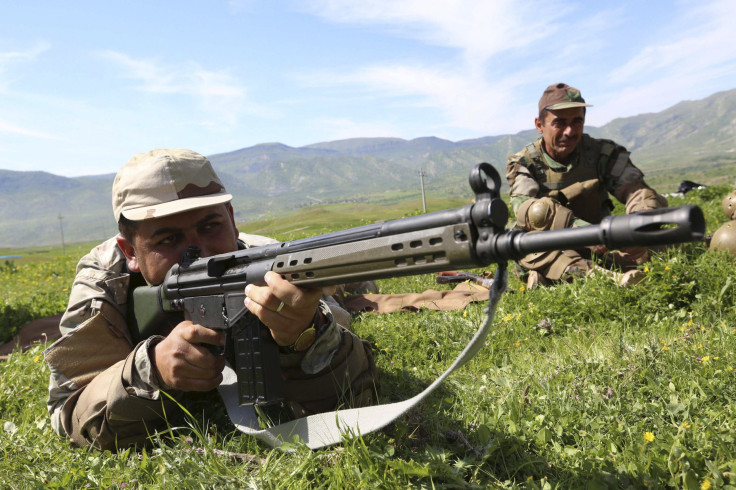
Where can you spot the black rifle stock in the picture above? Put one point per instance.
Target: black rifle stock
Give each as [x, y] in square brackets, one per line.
[211, 289]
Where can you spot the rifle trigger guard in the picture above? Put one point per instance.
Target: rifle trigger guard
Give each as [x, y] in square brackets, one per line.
[230, 321]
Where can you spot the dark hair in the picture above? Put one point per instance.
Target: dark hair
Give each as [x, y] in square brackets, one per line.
[542, 117]
[128, 228]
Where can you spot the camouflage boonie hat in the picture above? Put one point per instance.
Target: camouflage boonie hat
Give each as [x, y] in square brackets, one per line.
[165, 182]
[561, 96]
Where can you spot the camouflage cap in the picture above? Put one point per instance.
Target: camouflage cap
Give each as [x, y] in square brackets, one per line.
[164, 182]
[561, 96]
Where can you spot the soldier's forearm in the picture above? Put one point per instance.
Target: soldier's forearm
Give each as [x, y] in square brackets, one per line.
[643, 198]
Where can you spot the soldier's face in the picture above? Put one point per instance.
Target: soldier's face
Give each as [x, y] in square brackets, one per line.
[561, 131]
[160, 242]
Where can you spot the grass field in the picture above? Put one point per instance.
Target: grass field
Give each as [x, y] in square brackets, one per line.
[316, 220]
[581, 385]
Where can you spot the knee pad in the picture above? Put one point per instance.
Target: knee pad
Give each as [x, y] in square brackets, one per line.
[543, 214]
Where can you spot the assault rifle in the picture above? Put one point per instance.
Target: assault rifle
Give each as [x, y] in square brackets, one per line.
[211, 289]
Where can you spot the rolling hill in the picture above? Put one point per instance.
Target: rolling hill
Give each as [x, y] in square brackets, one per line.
[693, 140]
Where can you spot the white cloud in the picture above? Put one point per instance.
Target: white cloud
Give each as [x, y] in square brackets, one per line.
[471, 92]
[703, 46]
[17, 130]
[479, 29]
[185, 79]
[508, 50]
[9, 59]
[505, 50]
[219, 95]
[695, 57]
[467, 101]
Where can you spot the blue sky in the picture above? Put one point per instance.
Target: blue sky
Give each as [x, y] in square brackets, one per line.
[84, 85]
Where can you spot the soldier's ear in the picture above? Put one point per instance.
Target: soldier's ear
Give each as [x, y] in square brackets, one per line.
[231, 212]
[538, 124]
[127, 248]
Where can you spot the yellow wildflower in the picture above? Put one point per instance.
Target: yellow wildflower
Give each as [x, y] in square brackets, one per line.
[648, 436]
[686, 425]
[705, 485]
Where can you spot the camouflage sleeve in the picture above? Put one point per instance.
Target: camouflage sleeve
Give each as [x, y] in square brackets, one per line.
[93, 327]
[626, 182]
[99, 280]
[96, 354]
[320, 354]
[522, 185]
[644, 198]
[337, 371]
[106, 400]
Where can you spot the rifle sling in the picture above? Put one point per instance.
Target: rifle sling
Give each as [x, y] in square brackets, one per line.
[324, 429]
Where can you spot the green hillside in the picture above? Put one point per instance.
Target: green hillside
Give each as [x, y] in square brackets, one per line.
[693, 140]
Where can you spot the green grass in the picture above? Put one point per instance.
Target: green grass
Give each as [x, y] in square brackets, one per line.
[582, 385]
[33, 289]
[317, 220]
[40, 254]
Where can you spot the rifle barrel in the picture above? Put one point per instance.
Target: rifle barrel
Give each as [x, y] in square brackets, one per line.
[645, 229]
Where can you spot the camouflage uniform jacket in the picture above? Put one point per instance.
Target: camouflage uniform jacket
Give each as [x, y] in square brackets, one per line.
[104, 392]
[596, 168]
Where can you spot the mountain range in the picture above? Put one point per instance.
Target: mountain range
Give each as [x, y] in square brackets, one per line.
[694, 140]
